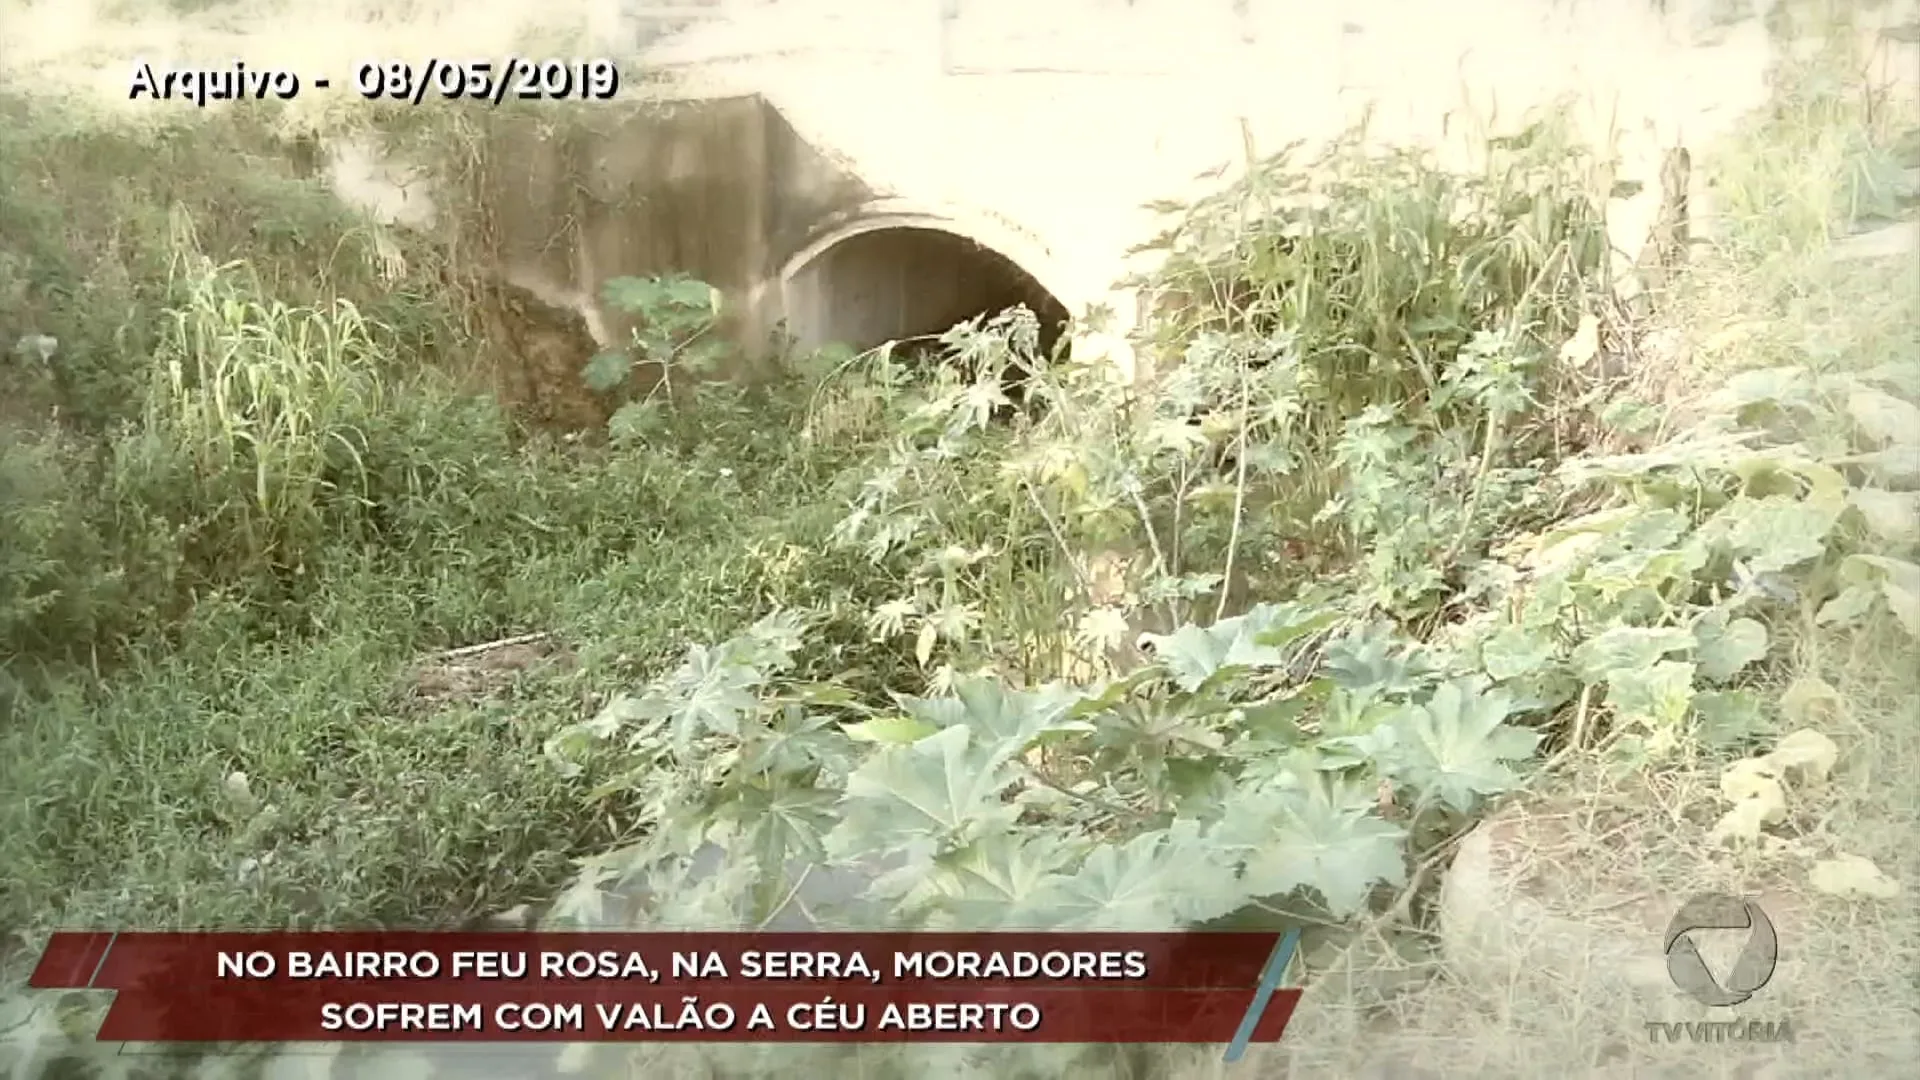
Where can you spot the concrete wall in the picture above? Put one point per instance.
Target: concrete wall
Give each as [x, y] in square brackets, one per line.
[864, 169]
[1038, 130]
[722, 190]
[1068, 117]
[801, 249]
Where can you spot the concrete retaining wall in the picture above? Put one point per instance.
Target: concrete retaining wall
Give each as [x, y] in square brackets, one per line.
[858, 171]
[801, 249]
[722, 190]
[1036, 130]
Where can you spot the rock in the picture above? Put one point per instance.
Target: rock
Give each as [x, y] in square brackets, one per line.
[1533, 895]
[1502, 917]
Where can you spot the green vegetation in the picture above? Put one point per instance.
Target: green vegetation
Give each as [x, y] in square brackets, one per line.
[231, 571]
[1378, 547]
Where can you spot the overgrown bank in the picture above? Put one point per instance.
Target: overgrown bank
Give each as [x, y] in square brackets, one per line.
[1379, 456]
[247, 490]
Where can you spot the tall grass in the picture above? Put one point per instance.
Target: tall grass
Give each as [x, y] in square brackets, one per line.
[268, 405]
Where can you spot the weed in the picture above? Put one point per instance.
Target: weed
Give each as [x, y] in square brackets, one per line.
[1251, 643]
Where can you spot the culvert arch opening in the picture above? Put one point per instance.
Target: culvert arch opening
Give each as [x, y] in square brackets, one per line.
[904, 278]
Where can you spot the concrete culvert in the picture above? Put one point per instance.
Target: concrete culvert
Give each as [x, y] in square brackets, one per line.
[864, 286]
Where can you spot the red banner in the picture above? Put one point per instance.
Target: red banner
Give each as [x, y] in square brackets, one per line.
[674, 987]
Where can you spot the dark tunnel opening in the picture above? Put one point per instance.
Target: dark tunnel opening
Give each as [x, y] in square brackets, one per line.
[903, 282]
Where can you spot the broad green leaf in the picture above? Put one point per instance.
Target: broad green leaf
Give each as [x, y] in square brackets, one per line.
[1160, 725]
[1457, 747]
[1207, 874]
[772, 641]
[661, 296]
[891, 730]
[1899, 585]
[912, 881]
[630, 294]
[1192, 655]
[583, 903]
[1000, 714]
[937, 790]
[1195, 785]
[723, 898]
[1278, 719]
[1709, 450]
[1280, 625]
[1893, 465]
[1631, 417]
[1883, 418]
[1007, 880]
[1658, 696]
[1325, 836]
[1893, 516]
[1773, 534]
[1853, 603]
[1358, 711]
[778, 825]
[1827, 487]
[1649, 529]
[1003, 718]
[1376, 660]
[1153, 882]
[794, 742]
[1867, 569]
[1903, 376]
[691, 294]
[1558, 554]
[1728, 717]
[1621, 573]
[1727, 647]
[1789, 386]
[606, 371]
[821, 695]
[1627, 649]
[710, 694]
[1515, 651]
[1339, 753]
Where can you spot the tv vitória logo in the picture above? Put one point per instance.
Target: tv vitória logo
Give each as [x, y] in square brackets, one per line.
[1750, 973]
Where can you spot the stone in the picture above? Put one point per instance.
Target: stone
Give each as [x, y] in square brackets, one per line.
[1504, 916]
[1540, 894]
